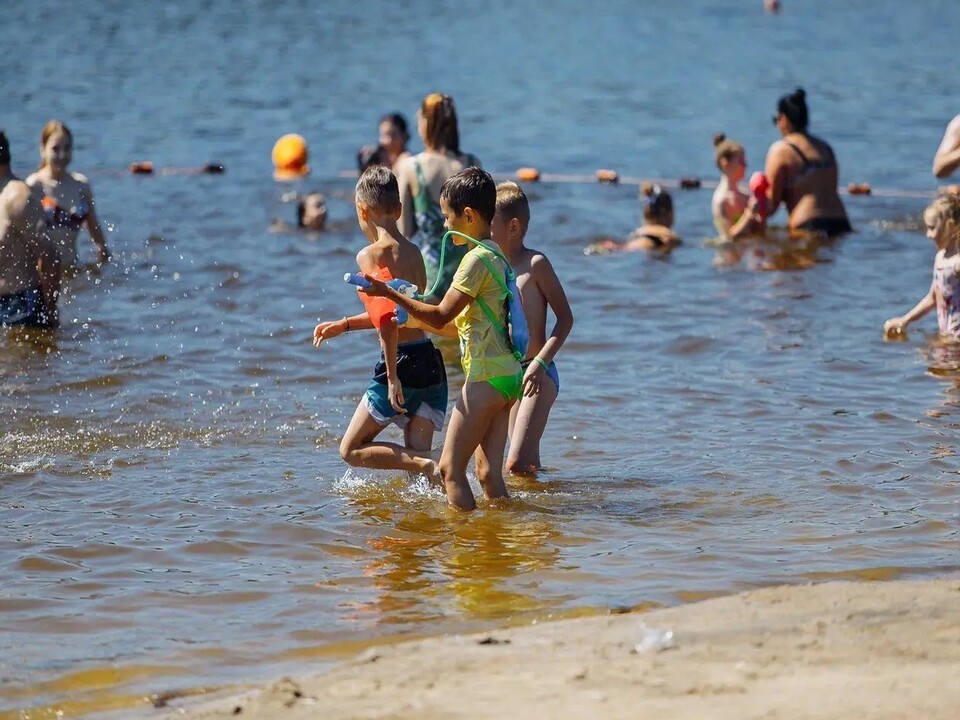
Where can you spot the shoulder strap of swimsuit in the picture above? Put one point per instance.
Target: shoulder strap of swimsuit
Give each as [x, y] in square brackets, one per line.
[799, 152]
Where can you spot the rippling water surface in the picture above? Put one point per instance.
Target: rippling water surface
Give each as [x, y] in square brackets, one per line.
[173, 510]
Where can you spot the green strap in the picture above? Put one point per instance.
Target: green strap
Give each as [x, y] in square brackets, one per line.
[507, 294]
[497, 253]
[491, 316]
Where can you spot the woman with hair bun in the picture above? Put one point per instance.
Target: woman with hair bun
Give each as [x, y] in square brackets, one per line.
[803, 173]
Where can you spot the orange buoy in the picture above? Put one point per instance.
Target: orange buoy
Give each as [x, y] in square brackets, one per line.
[144, 167]
[290, 157]
[608, 176]
[690, 183]
[858, 188]
[528, 174]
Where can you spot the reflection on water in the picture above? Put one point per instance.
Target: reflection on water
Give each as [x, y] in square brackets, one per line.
[430, 562]
[777, 250]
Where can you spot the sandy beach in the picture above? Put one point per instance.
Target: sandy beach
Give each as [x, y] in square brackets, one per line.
[836, 650]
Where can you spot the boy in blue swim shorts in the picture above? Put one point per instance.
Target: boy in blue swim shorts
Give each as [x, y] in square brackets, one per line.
[409, 385]
[541, 291]
[29, 262]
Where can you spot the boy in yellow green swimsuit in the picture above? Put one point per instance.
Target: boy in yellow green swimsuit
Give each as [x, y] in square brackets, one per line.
[493, 376]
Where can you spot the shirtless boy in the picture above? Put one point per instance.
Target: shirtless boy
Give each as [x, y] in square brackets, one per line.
[29, 263]
[540, 289]
[409, 385]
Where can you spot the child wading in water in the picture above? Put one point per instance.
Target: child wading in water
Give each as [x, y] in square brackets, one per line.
[942, 219]
[409, 385]
[493, 376]
[67, 197]
[540, 289]
[733, 213]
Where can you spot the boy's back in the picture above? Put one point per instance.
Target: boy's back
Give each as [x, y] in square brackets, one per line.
[533, 270]
[404, 261]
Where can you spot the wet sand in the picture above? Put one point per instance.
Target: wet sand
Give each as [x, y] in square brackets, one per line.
[836, 650]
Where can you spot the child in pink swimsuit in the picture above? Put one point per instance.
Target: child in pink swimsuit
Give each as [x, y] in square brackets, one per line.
[942, 219]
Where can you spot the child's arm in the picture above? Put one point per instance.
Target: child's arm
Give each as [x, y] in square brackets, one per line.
[93, 226]
[329, 329]
[388, 340]
[746, 222]
[899, 324]
[436, 316]
[549, 284]
[449, 330]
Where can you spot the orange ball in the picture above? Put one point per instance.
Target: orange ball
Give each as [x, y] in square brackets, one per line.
[608, 176]
[528, 174]
[290, 157]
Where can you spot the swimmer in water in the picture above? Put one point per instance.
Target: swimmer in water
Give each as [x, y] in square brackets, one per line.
[312, 212]
[656, 233]
[67, 196]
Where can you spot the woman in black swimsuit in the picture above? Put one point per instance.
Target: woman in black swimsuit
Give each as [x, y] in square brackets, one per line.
[803, 173]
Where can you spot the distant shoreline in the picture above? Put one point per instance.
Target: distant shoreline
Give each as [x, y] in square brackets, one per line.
[834, 650]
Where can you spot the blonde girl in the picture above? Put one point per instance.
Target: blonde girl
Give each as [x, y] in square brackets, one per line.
[730, 209]
[67, 197]
[942, 219]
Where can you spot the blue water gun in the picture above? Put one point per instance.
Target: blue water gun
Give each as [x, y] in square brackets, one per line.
[404, 287]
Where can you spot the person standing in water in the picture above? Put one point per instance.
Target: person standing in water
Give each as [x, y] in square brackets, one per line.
[732, 213]
[392, 146]
[409, 385]
[540, 290]
[29, 262]
[67, 196]
[803, 173]
[421, 178]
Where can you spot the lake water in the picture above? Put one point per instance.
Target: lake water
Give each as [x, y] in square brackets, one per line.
[173, 510]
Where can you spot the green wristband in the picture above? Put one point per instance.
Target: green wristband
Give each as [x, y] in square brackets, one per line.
[541, 362]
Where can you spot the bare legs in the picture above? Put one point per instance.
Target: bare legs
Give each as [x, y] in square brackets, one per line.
[528, 418]
[359, 449]
[478, 426]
